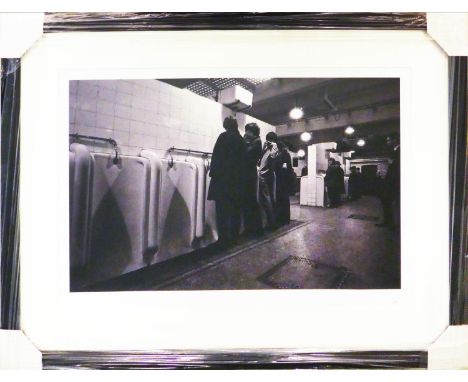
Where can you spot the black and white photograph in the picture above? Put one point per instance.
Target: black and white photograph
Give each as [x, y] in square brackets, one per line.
[234, 184]
[234, 190]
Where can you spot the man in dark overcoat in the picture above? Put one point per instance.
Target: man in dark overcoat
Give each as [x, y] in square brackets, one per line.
[227, 172]
[390, 193]
[333, 184]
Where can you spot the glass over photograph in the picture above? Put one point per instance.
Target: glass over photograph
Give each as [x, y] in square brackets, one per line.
[234, 183]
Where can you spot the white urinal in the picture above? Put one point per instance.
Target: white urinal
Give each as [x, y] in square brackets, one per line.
[154, 201]
[178, 206]
[200, 164]
[119, 231]
[211, 231]
[80, 197]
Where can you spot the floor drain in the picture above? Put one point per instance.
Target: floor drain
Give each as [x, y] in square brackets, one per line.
[364, 217]
[303, 273]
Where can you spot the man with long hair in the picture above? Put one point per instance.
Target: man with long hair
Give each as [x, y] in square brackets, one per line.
[251, 208]
[266, 175]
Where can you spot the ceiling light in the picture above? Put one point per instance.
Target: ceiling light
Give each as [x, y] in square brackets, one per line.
[301, 153]
[306, 137]
[349, 130]
[361, 142]
[296, 113]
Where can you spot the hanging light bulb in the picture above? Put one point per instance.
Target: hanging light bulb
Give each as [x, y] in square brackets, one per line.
[306, 137]
[361, 142]
[296, 113]
[349, 130]
[301, 153]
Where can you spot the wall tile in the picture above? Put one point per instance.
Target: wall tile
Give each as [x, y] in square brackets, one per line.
[122, 137]
[151, 104]
[137, 140]
[84, 130]
[124, 99]
[85, 118]
[139, 88]
[105, 107]
[87, 89]
[108, 84]
[106, 132]
[123, 111]
[121, 124]
[72, 100]
[148, 114]
[86, 103]
[71, 114]
[138, 114]
[106, 94]
[125, 86]
[137, 127]
[104, 121]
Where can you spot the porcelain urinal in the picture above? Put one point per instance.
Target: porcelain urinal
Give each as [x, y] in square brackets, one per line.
[200, 164]
[177, 210]
[119, 231]
[80, 182]
[154, 202]
[211, 230]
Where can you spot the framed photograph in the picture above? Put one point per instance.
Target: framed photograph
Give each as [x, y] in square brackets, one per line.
[239, 197]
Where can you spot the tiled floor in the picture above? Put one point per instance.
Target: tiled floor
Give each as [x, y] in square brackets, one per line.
[324, 248]
[369, 255]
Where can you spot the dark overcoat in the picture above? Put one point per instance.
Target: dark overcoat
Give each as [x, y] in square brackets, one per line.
[228, 167]
[391, 183]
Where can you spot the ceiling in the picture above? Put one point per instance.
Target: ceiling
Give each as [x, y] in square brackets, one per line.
[370, 105]
[209, 87]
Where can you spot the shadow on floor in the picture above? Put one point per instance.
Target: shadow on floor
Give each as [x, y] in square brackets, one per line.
[162, 275]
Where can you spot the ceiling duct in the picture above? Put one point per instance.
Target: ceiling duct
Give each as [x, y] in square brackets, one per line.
[236, 98]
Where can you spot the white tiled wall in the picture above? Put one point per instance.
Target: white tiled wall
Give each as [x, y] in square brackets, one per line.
[148, 114]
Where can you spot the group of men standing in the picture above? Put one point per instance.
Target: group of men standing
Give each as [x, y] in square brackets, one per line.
[249, 180]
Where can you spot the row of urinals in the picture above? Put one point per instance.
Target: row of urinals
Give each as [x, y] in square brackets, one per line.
[136, 212]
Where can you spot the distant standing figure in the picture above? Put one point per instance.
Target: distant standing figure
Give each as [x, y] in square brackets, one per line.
[266, 174]
[390, 193]
[285, 183]
[340, 174]
[333, 183]
[354, 184]
[227, 173]
[251, 208]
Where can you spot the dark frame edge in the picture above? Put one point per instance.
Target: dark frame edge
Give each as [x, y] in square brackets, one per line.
[458, 185]
[140, 21]
[203, 360]
[9, 259]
